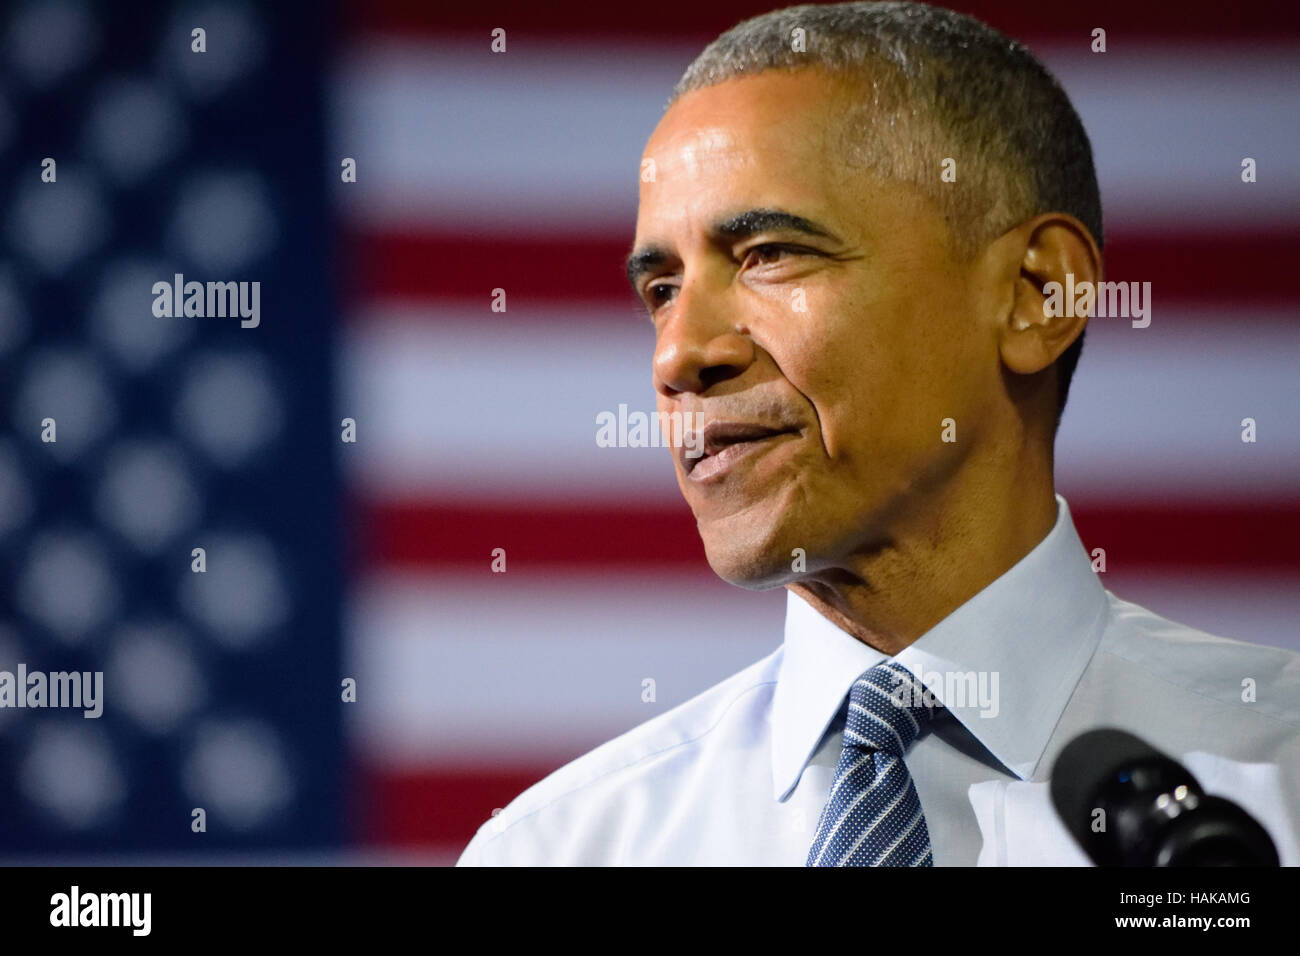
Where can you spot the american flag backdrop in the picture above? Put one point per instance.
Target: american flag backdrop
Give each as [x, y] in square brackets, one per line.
[485, 178]
[518, 171]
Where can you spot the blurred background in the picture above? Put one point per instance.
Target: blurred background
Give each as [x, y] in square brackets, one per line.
[475, 430]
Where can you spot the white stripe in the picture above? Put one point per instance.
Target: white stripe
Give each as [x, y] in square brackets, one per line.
[544, 138]
[1257, 607]
[450, 405]
[550, 136]
[523, 667]
[461, 670]
[1169, 126]
[1156, 413]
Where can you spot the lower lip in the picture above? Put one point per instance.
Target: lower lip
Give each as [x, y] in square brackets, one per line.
[716, 465]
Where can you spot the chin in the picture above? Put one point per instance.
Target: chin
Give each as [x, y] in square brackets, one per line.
[758, 565]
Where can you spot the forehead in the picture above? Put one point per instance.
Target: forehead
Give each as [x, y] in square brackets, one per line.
[775, 138]
[774, 102]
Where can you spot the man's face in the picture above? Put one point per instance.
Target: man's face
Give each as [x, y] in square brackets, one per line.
[818, 318]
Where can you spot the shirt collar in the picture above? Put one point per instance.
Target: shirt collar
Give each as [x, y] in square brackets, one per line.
[1035, 628]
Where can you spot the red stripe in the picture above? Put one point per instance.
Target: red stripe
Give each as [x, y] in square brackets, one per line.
[1243, 268]
[430, 266]
[689, 19]
[426, 535]
[437, 808]
[1203, 537]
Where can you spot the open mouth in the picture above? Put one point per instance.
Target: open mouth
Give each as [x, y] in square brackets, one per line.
[725, 442]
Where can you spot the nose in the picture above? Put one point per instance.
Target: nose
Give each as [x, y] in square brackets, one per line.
[700, 344]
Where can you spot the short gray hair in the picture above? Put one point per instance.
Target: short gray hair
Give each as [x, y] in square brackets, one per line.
[936, 84]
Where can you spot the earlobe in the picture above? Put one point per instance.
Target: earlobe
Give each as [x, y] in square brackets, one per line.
[1026, 348]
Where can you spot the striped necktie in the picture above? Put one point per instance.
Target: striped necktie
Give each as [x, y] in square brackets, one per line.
[873, 816]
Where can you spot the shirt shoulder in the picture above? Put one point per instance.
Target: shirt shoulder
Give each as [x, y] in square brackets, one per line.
[525, 831]
[1264, 679]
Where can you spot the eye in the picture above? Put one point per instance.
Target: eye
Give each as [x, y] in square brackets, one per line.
[658, 294]
[769, 253]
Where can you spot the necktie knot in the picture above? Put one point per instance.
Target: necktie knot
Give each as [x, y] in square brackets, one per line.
[889, 709]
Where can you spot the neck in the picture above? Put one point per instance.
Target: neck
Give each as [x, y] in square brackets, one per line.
[939, 554]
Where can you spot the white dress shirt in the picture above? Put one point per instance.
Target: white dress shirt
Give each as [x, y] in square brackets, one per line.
[738, 775]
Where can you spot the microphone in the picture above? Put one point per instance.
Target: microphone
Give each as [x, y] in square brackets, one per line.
[1127, 804]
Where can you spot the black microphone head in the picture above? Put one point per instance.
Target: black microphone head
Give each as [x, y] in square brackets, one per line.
[1126, 803]
[1086, 762]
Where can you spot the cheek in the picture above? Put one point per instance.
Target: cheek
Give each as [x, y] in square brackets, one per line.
[829, 360]
[879, 372]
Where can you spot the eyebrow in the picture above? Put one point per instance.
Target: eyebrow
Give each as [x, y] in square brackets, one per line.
[644, 260]
[751, 222]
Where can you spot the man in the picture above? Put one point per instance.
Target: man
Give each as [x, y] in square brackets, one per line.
[849, 222]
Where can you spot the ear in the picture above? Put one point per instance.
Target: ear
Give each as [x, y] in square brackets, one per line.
[1056, 254]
